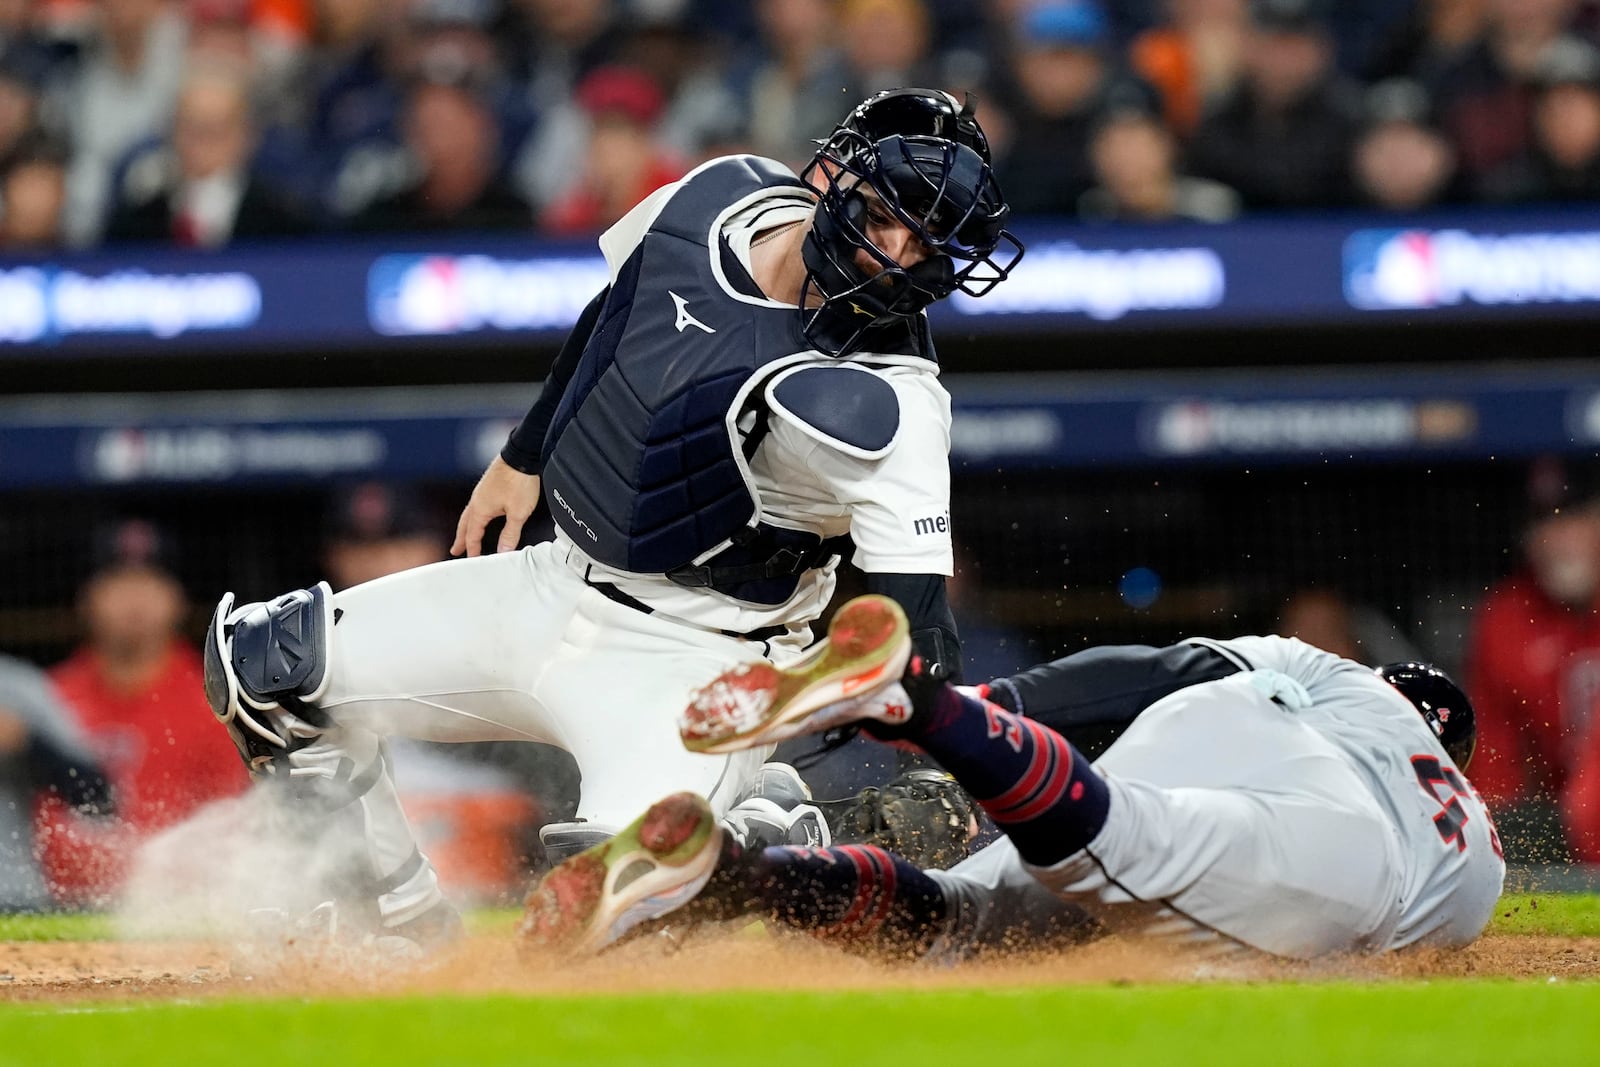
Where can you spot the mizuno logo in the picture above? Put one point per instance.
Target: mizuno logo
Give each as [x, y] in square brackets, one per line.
[684, 318]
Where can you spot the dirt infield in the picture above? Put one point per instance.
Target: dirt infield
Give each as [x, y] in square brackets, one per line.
[60, 971]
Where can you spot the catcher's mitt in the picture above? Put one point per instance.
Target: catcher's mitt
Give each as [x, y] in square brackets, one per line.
[922, 815]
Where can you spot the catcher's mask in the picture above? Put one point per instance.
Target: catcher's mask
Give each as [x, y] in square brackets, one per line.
[928, 162]
[1443, 705]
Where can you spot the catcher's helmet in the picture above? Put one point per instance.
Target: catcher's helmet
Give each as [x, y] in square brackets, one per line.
[927, 159]
[1443, 705]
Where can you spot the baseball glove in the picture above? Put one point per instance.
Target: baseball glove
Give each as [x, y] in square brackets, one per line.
[922, 815]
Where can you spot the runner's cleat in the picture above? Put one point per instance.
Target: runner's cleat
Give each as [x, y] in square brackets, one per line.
[866, 650]
[651, 868]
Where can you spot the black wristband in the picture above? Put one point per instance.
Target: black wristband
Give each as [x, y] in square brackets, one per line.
[519, 459]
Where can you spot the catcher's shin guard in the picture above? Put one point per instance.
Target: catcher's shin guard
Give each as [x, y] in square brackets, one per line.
[265, 666]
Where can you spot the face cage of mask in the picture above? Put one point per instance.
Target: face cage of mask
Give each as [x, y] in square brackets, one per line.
[850, 153]
[896, 292]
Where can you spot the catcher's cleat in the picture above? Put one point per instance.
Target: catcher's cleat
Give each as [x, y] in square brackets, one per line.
[341, 938]
[866, 650]
[436, 929]
[651, 868]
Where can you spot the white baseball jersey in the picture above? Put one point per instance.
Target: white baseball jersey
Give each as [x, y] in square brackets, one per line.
[1301, 807]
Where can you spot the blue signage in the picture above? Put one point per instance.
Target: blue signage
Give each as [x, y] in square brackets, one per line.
[332, 294]
[43, 305]
[1022, 423]
[1268, 419]
[1423, 269]
[440, 294]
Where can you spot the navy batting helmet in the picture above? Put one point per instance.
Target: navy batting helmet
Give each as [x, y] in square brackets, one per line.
[927, 159]
[1443, 705]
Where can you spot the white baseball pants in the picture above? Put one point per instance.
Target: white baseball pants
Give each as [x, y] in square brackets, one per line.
[516, 646]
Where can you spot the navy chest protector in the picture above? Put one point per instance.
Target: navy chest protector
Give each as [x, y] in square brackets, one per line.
[645, 466]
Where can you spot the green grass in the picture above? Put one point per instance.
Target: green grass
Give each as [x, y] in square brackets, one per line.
[95, 927]
[1460, 1023]
[1572, 915]
[68, 927]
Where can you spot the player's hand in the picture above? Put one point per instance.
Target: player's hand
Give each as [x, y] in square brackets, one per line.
[502, 490]
[13, 733]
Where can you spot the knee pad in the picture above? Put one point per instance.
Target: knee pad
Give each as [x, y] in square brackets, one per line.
[263, 659]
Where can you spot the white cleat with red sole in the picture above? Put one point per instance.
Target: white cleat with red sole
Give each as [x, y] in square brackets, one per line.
[865, 653]
[649, 869]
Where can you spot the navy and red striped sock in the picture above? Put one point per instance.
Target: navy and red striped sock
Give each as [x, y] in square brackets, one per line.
[1036, 787]
[857, 894]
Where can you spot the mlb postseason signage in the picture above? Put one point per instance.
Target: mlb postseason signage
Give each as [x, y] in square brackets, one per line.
[323, 294]
[1266, 418]
[435, 295]
[247, 437]
[1016, 422]
[1422, 269]
[330, 294]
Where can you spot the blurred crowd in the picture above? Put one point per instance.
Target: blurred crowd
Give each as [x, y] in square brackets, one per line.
[1530, 663]
[114, 745]
[201, 122]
